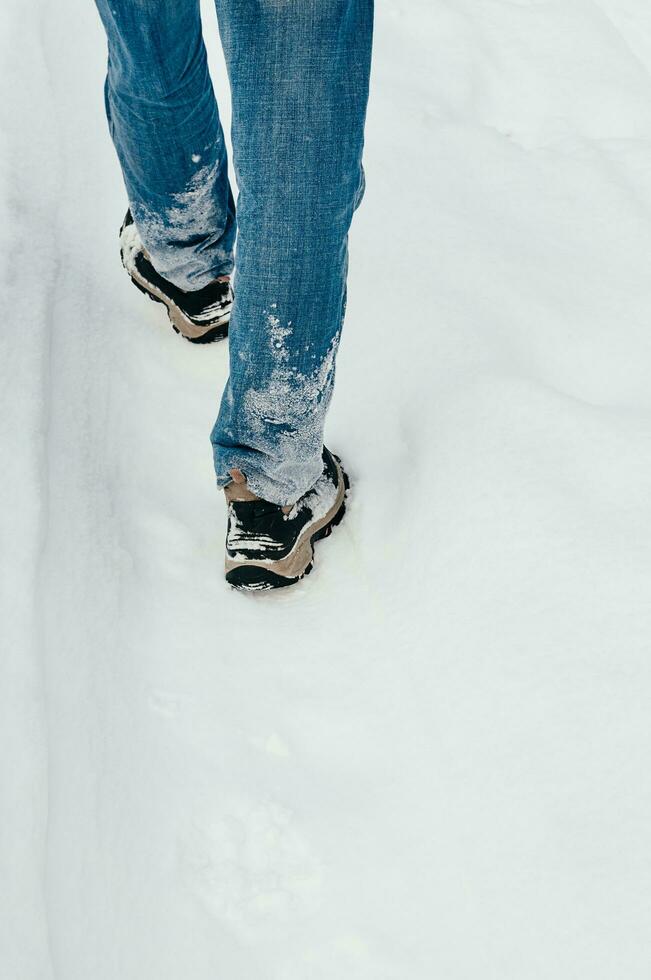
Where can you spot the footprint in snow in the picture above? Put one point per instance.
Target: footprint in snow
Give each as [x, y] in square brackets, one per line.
[251, 866]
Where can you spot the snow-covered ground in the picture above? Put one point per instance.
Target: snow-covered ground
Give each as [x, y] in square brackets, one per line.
[431, 760]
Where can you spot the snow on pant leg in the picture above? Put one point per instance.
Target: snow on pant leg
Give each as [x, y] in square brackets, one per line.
[299, 72]
[165, 125]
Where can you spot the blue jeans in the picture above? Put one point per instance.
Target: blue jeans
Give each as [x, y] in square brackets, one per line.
[299, 73]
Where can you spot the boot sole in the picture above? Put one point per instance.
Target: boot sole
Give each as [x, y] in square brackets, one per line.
[251, 576]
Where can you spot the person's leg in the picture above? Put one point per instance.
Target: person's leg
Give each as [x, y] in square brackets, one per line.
[299, 73]
[164, 122]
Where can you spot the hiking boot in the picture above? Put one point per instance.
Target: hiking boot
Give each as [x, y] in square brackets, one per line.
[201, 315]
[270, 547]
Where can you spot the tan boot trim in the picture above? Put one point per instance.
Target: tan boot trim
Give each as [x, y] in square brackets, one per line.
[238, 491]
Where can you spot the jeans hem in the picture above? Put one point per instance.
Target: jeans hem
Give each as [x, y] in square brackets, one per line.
[265, 487]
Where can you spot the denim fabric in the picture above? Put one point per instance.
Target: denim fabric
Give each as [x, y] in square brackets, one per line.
[299, 73]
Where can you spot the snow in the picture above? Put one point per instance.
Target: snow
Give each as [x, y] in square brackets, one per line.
[285, 396]
[431, 759]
